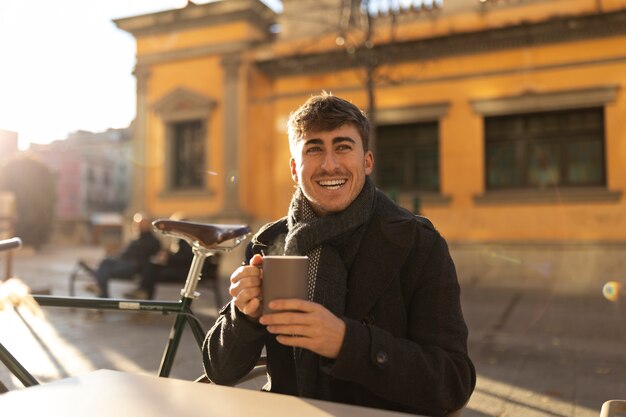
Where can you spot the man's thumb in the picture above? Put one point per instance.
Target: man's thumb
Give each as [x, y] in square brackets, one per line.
[257, 260]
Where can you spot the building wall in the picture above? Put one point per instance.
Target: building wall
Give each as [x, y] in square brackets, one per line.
[457, 65]
[196, 58]
[462, 79]
[8, 143]
[196, 74]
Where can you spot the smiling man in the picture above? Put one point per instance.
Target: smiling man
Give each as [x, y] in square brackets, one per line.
[330, 167]
[383, 325]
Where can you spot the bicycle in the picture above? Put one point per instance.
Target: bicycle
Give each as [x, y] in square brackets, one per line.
[205, 240]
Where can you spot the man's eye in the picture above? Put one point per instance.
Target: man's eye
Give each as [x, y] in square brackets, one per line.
[343, 148]
[313, 149]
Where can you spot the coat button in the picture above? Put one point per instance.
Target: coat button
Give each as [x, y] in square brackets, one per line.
[381, 358]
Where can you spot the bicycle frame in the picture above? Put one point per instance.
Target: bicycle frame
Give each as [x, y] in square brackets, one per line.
[182, 309]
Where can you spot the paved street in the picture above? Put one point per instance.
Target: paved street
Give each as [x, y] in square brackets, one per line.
[541, 354]
[538, 352]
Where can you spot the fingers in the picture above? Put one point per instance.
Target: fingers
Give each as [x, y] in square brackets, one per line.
[257, 260]
[294, 304]
[299, 341]
[246, 296]
[301, 324]
[252, 308]
[245, 287]
[313, 327]
[246, 277]
[291, 311]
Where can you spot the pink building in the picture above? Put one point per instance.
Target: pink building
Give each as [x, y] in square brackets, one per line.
[8, 143]
[93, 177]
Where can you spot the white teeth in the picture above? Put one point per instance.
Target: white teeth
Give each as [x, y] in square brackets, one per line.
[332, 184]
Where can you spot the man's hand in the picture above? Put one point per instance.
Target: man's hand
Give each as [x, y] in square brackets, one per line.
[245, 287]
[311, 327]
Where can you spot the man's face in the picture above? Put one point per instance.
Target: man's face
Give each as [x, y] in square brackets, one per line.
[330, 167]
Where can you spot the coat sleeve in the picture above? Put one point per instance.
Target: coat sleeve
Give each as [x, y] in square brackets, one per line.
[423, 366]
[232, 346]
[234, 343]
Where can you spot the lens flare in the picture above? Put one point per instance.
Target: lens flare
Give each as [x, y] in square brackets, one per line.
[611, 290]
[497, 256]
[233, 177]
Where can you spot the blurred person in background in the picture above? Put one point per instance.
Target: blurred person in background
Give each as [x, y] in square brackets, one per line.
[131, 260]
[171, 265]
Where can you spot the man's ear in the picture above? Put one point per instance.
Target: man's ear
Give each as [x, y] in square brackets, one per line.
[294, 172]
[369, 162]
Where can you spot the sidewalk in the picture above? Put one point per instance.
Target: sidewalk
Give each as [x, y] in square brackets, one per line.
[544, 354]
[63, 342]
[538, 352]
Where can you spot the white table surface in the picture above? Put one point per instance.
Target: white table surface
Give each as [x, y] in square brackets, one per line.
[110, 393]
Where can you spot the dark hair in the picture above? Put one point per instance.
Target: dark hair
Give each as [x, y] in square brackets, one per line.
[326, 112]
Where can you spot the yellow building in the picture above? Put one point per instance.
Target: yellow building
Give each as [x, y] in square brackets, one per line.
[502, 121]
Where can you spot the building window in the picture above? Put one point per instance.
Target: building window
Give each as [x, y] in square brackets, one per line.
[407, 156]
[538, 150]
[188, 154]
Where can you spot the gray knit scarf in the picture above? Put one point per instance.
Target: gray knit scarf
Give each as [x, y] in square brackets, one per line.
[331, 242]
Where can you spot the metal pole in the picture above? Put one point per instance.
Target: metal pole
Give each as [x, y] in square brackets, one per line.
[16, 368]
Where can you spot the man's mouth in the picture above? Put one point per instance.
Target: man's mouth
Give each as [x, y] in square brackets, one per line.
[332, 184]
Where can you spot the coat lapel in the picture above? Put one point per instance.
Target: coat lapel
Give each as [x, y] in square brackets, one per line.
[385, 246]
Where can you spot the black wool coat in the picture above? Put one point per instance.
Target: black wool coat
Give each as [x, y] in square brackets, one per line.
[405, 346]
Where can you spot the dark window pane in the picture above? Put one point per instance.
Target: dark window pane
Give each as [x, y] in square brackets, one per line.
[408, 157]
[582, 169]
[543, 167]
[426, 169]
[537, 150]
[187, 154]
[391, 172]
[500, 161]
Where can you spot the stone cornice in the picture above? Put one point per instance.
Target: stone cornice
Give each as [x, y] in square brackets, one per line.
[427, 112]
[146, 60]
[200, 15]
[562, 29]
[182, 104]
[532, 101]
[548, 196]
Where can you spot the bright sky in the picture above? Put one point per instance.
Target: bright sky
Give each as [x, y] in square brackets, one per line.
[65, 66]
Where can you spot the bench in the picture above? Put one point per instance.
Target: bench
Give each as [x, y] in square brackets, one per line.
[84, 270]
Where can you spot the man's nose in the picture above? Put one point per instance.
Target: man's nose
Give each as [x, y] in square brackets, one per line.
[330, 161]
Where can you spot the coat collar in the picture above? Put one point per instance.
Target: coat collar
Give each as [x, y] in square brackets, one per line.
[385, 246]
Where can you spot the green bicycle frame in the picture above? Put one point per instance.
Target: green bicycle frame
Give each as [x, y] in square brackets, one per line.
[182, 309]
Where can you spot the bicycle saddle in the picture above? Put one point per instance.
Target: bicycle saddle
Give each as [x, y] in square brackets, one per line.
[207, 235]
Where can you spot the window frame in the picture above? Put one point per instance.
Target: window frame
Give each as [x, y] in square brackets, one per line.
[185, 106]
[172, 155]
[409, 150]
[524, 142]
[424, 113]
[533, 101]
